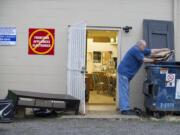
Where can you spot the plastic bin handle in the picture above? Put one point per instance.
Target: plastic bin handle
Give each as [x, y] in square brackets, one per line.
[148, 89]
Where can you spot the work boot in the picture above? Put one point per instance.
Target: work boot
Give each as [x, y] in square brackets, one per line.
[128, 112]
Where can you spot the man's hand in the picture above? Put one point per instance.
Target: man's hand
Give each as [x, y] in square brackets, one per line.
[165, 49]
[155, 51]
[148, 60]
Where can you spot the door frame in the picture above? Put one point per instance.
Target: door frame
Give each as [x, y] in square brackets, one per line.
[119, 51]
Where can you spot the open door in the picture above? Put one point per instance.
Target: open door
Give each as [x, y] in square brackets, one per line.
[76, 63]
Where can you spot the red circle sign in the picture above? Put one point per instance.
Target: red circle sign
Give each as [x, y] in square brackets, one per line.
[41, 41]
[170, 77]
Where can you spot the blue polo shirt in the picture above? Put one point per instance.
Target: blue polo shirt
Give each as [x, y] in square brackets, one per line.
[132, 61]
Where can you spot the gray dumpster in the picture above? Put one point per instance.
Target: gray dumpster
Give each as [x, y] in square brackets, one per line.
[162, 88]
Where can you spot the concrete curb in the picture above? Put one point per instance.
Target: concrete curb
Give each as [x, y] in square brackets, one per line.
[167, 118]
[119, 117]
[123, 117]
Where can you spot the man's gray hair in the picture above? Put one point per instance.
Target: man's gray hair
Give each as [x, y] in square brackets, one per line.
[141, 42]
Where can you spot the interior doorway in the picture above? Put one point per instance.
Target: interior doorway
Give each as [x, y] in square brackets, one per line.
[101, 67]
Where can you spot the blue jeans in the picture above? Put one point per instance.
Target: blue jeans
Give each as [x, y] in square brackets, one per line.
[123, 93]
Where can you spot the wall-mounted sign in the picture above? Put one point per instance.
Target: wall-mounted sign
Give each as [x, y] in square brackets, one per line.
[7, 36]
[41, 41]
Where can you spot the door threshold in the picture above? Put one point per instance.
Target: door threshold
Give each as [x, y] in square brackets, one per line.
[107, 112]
[101, 104]
[101, 108]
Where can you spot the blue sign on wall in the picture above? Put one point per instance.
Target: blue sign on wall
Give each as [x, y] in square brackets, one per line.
[7, 36]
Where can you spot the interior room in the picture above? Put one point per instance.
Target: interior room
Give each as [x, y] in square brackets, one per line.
[101, 66]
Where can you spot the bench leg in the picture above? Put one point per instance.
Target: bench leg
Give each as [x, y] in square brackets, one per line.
[77, 108]
[77, 112]
[20, 112]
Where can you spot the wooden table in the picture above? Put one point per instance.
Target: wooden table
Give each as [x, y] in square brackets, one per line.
[28, 99]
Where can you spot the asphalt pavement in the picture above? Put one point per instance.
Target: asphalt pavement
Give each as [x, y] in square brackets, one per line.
[60, 126]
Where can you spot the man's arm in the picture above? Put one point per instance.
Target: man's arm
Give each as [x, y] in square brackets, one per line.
[155, 51]
[148, 60]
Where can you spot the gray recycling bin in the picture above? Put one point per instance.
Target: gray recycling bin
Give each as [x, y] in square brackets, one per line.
[162, 88]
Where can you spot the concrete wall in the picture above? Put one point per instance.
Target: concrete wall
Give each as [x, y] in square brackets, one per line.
[18, 70]
[177, 29]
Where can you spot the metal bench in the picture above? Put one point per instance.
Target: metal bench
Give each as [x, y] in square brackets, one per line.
[59, 102]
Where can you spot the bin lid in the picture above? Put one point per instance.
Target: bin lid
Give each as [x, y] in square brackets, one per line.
[175, 64]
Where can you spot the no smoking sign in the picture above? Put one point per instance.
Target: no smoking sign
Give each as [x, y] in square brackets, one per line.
[41, 41]
[170, 77]
[170, 80]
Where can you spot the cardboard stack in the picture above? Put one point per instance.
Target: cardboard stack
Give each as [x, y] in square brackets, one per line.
[163, 56]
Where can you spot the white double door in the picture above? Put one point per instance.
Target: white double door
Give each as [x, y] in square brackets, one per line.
[76, 63]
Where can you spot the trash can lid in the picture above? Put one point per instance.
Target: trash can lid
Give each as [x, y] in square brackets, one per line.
[164, 64]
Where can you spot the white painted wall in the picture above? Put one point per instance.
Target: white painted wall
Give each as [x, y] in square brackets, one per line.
[177, 30]
[18, 70]
[92, 46]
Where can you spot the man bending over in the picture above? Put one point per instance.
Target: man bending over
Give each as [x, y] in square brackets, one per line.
[127, 69]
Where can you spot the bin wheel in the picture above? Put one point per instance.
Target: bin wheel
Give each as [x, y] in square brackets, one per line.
[148, 112]
[158, 114]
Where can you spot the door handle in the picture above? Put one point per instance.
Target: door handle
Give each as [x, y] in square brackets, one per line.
[83, 70]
